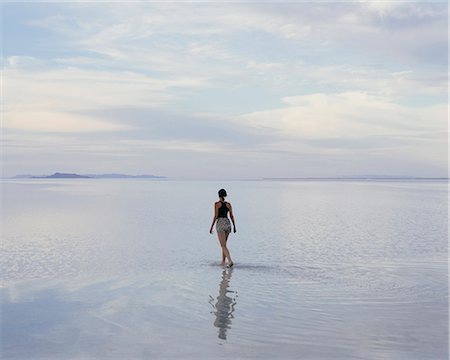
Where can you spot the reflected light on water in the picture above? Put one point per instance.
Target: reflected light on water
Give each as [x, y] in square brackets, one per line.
[324, 270]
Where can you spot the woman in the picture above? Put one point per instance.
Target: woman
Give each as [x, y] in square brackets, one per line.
[223, 226]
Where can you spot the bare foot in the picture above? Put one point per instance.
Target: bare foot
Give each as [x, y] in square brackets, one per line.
[222, 263]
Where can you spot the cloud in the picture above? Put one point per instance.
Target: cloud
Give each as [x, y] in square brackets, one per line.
[26, 62]
[51, 121]
[76, 88]
[151, 124]
[392, 31]
[273, 83]
[343, 122]
[349, 46]
[355, 25]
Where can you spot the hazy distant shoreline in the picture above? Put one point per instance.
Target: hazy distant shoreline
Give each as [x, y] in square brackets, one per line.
[361, 178]
[59, 175]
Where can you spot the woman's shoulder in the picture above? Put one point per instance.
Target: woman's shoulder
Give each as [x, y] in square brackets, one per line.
[219, 203]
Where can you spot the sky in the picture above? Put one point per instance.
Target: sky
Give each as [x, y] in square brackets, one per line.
[225, 90]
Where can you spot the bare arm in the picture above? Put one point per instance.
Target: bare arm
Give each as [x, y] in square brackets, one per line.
[232, 216]
[216, 214]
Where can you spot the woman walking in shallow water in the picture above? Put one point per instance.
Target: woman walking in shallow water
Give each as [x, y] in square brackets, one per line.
[223, 226]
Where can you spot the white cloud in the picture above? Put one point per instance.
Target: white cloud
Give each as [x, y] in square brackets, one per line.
[350, 114]
[365, 72]
[52, 121]
[22, 62]
[74, 89]
[53, 100]
[382, 7]
[361, 128]
[199, 40]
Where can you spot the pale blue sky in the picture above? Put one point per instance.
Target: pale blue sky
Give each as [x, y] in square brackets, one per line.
[222, 90]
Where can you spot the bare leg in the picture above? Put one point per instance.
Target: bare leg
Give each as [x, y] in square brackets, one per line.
[226, 239]
[223, 243]
[219, 236]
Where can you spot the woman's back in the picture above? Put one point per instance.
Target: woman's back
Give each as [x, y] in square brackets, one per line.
[223, 210]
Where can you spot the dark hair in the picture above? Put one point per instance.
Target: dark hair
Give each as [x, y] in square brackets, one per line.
[222, 193]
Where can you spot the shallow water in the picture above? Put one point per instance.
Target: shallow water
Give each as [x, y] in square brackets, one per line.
[127, 269]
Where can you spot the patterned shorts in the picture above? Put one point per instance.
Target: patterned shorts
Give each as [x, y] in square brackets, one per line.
[223, 224]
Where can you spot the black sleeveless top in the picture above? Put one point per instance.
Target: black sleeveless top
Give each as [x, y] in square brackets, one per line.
[223, 210]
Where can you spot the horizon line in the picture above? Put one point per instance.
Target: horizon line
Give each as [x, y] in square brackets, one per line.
[271, 178]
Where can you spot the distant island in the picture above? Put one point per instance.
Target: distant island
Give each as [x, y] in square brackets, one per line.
[59, 175]
[124, 176]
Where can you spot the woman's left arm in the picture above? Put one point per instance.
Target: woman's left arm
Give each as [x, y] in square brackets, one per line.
[216, 213]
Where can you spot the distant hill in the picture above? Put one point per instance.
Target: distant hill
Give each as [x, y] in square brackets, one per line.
[58, 175]
[125, 176]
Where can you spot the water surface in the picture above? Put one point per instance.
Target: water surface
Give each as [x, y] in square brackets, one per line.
[97, 268]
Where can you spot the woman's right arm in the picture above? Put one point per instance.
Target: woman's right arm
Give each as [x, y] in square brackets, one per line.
[216, 213]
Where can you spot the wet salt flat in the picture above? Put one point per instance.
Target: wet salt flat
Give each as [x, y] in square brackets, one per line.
[96, 269]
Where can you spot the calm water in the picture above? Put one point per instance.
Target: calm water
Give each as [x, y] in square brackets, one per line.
[127, 269]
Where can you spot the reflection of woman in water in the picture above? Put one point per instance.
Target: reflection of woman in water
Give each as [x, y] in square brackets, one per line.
[224, 306]
[223, 226]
